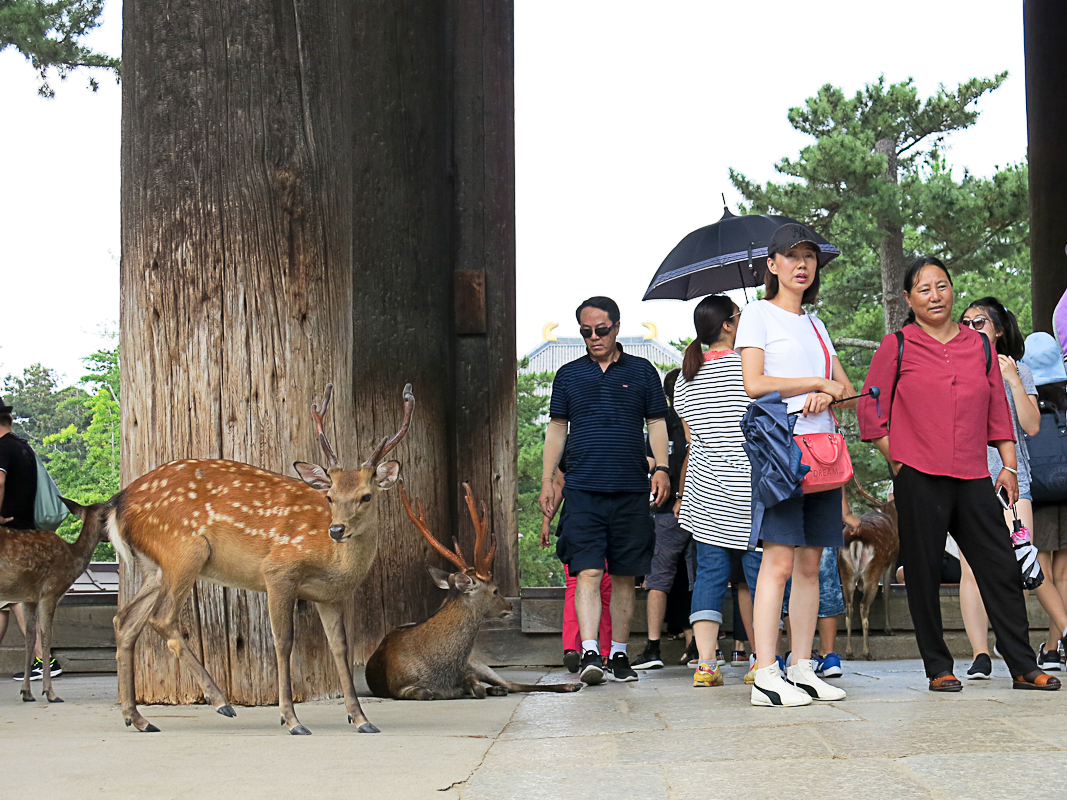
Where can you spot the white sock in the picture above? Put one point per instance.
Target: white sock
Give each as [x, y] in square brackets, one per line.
[709, 664]
[590, 644]
[617, 647]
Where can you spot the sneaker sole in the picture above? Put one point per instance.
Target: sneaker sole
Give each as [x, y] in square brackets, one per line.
[831, 672]
[1053, 667]
[627, 679]
[654, 664]
[979, 676]
[771, 699]
[592, 676]
[739, 663]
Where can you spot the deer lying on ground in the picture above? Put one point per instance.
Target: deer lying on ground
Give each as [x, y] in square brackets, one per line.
[244, 527]
[431, 660]
[869, 556]
[36, 569]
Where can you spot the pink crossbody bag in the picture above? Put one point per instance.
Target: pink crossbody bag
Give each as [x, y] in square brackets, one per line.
[826, 453]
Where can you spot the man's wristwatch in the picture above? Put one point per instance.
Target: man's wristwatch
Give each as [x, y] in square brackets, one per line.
[661, 468]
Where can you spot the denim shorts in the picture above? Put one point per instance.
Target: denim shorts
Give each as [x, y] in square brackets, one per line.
[672, 545]
[831, 601]
[813, 520]
[713, 575]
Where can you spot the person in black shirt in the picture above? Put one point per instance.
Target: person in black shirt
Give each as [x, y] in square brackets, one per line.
[18, 490]
[672, 542]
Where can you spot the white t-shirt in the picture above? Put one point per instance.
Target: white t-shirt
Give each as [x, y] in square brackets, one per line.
[791, 349]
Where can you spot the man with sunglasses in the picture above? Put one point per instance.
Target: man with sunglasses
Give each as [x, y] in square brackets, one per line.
[600, 406]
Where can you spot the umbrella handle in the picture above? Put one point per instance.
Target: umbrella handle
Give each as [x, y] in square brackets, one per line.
[874, 392]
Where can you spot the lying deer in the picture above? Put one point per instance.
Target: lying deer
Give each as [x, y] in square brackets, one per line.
[36, 569]
[431, 660]
[868, 557]
[240, 526]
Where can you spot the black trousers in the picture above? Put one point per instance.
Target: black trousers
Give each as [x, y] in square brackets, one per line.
[927, 507]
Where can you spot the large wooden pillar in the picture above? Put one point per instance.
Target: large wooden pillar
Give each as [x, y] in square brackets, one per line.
[1045, 26]
[301, 184]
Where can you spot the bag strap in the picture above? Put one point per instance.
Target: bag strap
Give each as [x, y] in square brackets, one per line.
[896, 379]
[829, 363]
[988, 353]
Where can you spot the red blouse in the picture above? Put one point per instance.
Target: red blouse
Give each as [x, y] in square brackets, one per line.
[945, 410]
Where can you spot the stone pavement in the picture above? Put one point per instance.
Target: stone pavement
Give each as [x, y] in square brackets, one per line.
[658, 738]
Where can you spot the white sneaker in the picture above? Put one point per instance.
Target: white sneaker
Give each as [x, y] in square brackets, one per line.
[768, 689]
[802, 675]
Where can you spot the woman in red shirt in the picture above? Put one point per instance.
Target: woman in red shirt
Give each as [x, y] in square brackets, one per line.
[930, 429]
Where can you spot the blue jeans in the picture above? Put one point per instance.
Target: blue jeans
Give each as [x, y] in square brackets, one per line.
[831, 601]
[713, 576]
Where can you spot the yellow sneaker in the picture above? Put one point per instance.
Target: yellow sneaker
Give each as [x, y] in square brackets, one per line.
[706, 676]
[750, 676]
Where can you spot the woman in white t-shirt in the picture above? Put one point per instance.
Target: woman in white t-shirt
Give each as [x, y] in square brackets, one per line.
[716, 488]
[785, 350]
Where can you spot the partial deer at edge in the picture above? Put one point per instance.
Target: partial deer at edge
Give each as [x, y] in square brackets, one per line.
[241, 526]
[868, 557]
[431, 660]
[36, 569]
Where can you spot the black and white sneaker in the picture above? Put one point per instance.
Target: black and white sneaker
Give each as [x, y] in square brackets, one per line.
[619, 668]
[650, 658]
[768, 689]
[1049, 660]
[37, 671]
[591, 672]
[802, 675]
[982, 668]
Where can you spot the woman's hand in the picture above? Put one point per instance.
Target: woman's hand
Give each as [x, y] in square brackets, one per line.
[677, 507]
[1009, 482]
[545, 540]
[817, 402]
[1009, 370]
[835, 389]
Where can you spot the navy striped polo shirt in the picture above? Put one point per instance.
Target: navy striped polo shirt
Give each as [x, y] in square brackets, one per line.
[607, 410]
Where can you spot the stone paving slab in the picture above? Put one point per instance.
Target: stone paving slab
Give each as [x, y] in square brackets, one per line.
[657, 738]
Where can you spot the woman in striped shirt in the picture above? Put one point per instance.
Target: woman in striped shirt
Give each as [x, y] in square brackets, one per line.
[715, 489]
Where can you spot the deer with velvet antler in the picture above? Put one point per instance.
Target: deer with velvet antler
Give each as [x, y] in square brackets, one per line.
[431, 660]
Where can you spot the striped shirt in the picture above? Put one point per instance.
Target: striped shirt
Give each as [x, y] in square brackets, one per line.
[607, 410]
[717, 496]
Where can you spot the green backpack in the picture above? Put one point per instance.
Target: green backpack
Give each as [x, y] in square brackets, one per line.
[49, 511]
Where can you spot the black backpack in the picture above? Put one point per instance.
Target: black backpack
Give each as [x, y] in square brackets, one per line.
[1048, 457]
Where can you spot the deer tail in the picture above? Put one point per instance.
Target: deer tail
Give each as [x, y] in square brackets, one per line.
[116, 533]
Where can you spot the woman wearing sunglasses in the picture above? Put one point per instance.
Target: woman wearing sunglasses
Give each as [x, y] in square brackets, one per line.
[998, 325]
[933, 424]
[787, 351]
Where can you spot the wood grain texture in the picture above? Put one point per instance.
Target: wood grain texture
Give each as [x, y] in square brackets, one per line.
[1046, 117]
[300, 183]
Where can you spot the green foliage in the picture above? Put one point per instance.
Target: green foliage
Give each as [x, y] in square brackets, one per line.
[681, 344]
[537, 567]
[49, 35]
[77, 433]
[873, 179]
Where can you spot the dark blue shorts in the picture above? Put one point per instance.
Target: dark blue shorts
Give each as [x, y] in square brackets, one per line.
[813, 520]
[607, 526]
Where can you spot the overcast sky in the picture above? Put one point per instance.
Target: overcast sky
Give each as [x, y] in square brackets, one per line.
[628, 117]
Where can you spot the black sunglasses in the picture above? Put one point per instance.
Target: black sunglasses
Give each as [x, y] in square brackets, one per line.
[600, 330]
[977, 323]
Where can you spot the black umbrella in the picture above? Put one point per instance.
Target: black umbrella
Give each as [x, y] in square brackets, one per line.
[730, 254]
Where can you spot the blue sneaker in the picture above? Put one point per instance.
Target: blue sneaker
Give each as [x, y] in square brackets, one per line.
[781, 664]
[829, 666]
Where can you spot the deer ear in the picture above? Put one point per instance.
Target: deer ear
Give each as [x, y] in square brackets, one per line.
[313, 475]
[387, 474]
[464, 582]
[439, 576]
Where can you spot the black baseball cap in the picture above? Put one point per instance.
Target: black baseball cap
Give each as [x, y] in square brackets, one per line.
[790, 235]
[5, 409]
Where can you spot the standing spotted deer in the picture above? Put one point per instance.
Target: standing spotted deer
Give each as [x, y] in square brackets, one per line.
[244, 527]
[431, 660]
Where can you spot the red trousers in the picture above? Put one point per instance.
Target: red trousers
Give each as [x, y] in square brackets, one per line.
[572, 639]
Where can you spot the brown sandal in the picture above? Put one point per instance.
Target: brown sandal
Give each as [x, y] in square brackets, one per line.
[946, 683]
[1043, 682]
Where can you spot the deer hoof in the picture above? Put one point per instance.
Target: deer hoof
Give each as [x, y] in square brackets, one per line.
[299, 730]
[226, 710]
[368, 727]
[55, 699]
[149, 728]
[497, 691]
[28, 698]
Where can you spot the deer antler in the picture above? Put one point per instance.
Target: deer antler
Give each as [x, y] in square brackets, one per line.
[317, 414]
[482, 560]
[387, 444]
[872, 500]
[420, 522]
